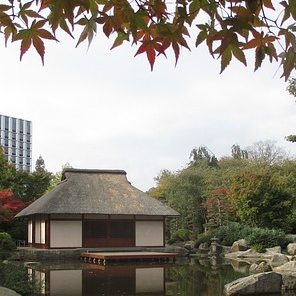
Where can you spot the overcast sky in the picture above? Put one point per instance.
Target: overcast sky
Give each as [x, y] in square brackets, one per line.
[106, 109]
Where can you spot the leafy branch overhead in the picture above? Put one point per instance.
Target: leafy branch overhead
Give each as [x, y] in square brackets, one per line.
[229, 28]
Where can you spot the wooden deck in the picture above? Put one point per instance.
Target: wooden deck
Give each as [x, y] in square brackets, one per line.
[106, 257]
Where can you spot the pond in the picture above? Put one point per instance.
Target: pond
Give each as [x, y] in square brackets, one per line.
[191, 278]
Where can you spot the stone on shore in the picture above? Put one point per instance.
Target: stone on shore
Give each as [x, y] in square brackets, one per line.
[289, 266]
[7, 292]
[289, 281]
[262, 283]
[240, 245]
[291, 249]
[259, 268]
[278, 259]
[273, 250]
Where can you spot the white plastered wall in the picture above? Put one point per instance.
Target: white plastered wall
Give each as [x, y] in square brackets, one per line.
[65, 234]
[30, 231]
[37, 231]
[149, 233]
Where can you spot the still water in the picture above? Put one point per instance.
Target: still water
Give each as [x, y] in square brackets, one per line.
[189, 278]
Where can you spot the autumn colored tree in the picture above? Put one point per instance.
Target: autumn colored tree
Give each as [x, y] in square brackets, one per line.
[9, 205]
[228, 28]
[218, 208]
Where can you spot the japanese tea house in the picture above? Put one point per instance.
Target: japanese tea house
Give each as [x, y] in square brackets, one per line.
[93, 209]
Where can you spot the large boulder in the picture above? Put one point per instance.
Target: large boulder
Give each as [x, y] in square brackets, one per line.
[262, 283]
[7, 292]
[240, 245]
[289, 266]
[291, 249]
[278, 259]
[259, 268]
[274, 250]
[289, 281]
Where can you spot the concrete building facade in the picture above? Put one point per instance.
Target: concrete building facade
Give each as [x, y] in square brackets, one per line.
[16, 140]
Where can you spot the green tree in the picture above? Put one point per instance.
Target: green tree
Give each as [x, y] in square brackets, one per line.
[40, 165]
[56, 178]
[238, 153]
[228, 28]
[264, 196]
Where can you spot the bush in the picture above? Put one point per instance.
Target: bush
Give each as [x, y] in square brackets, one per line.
[258, 248]
[232, 232]
[267, 238]
[204, 238]
[6, 242]
[4, 235]
[180, 235]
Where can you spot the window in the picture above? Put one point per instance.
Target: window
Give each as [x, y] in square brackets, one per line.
[28, 127]
[14, 124]
[6, 122]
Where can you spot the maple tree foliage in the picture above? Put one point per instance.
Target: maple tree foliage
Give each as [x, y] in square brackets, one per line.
[9, 205]
[229, 28]
[218, 207]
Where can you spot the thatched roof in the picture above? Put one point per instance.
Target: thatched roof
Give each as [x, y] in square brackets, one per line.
[96, 192]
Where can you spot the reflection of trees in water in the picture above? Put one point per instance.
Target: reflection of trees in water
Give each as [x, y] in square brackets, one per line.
[199, 279]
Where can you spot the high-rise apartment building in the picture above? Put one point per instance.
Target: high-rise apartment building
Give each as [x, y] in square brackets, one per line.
[16, 139]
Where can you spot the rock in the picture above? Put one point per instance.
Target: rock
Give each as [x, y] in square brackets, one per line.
[288, 281]
[190, 245]
[273, 250]
[289, 266]
[259, 268]
[240, 245]
[203, 246]
[278, 259]
[291, 249]
[261, 283]
[249, 254]
[7, 292]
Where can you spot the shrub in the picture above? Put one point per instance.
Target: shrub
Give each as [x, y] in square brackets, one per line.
[204, 238]
[180, 235]
[6, 242]
[258, 248]
[228, 234]
[4, 235]
[267, 238]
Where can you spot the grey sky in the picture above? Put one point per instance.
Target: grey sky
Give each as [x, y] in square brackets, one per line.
[105, 109]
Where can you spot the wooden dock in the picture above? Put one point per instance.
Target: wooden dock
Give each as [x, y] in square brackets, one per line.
[103, 258]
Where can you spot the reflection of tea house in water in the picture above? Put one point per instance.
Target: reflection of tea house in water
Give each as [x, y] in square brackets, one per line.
[96, 208]
[101, 280]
